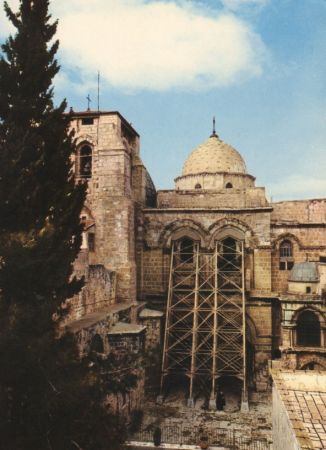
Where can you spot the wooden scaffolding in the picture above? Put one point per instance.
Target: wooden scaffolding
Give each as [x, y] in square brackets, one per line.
[205, 318]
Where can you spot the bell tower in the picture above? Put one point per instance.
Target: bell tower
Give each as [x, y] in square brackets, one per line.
[106, 144]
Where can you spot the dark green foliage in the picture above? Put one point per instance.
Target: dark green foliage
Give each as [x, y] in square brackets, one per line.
[39, 202]
[49, 398]
[54, 399]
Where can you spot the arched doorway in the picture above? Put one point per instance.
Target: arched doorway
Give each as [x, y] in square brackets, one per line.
[231, 387]
[312, 365]
[308, 329]
[175, 386]
[96, 345]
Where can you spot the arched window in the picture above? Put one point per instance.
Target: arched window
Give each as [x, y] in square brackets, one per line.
[229, 185]
[85, 161]
[229, 248]
[286, 255]
[198, 186]
[186, 248]
[286, 249]
[229, 259]
[97, 345]
[308, 330]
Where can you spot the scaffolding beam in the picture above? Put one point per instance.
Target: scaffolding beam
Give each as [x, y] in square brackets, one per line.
[205, 325]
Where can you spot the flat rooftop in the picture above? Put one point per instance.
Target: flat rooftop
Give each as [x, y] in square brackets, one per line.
[91, 319]
[304, 396]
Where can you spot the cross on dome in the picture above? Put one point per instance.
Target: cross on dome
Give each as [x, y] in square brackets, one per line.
[214, 131]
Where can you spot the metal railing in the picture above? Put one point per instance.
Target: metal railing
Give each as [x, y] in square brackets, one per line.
[188, 435]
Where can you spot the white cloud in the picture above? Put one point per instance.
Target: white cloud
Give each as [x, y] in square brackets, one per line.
[153, 45]
[298, 186]
[63, 82]
[157, 45]
[5, 25]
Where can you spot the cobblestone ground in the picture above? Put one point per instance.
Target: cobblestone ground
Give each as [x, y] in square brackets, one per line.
[257, 423]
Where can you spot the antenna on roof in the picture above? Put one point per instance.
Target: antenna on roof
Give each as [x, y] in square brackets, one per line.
[214, 131]
[98, 91]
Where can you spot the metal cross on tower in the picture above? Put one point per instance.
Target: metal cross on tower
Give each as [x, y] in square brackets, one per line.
[88, 98]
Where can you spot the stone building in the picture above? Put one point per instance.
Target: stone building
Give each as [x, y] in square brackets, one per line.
[233, 273]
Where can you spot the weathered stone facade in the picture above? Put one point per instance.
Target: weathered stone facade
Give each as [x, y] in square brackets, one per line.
[129, 231]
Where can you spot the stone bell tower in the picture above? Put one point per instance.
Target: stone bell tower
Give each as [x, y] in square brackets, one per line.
[106, 147]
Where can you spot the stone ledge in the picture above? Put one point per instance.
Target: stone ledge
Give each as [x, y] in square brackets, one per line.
[126, 328]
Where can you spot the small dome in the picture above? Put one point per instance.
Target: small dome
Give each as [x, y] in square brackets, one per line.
[214, 156]
[304, 271]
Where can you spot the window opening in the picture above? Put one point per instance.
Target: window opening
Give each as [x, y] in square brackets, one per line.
[229, 260]
[308, 330]
[290, 265]
[85, 162]
[308, 290]
[198, 186]
[286, 249]
[87, 120]
[91, 241]
[286, 255]
[186, 250]
[229, 185]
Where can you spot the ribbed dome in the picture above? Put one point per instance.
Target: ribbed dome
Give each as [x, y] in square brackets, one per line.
[214, 156]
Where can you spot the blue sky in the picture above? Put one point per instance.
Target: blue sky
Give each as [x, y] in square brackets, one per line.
[169, 66]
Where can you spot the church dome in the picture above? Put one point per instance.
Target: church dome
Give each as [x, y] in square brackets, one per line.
[214, 156]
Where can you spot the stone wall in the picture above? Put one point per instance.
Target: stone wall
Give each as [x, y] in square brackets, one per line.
[128, 348]
[262, 270]
[153, 321]
[97, 294]
[297, 287]
[283, 434]
[259, 311]
[153, 267]
[300, 211]
[223, 198]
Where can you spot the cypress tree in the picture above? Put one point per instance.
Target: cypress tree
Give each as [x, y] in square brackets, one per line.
[49, 398]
